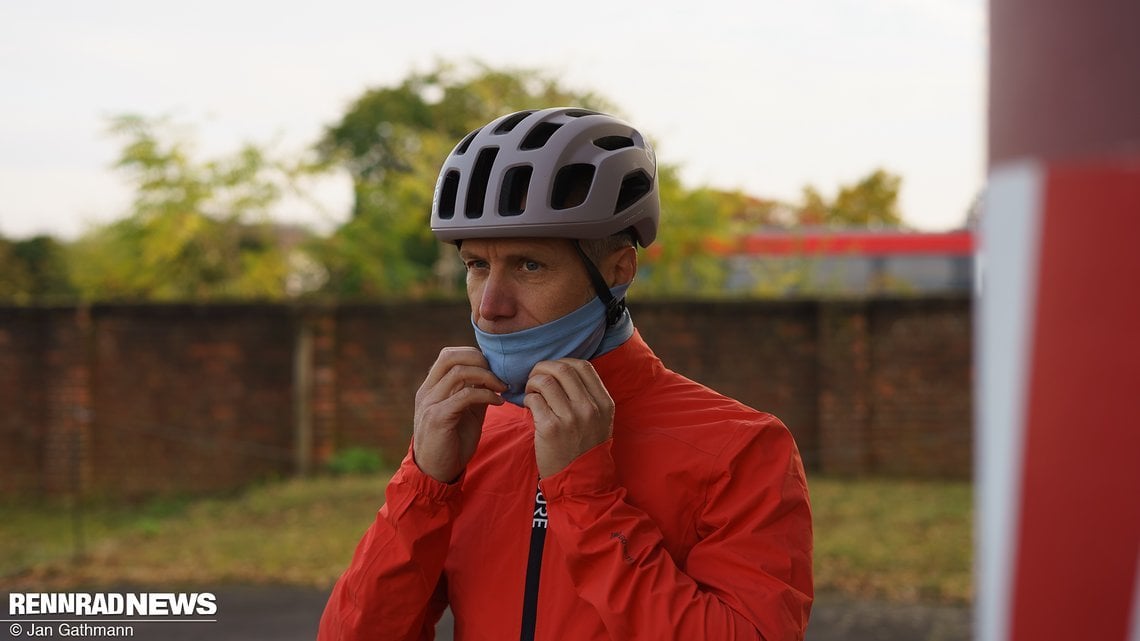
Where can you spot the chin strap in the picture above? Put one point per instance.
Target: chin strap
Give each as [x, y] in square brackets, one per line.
[614, 307]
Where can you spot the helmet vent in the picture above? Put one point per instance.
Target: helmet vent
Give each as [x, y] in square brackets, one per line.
[613, 143]
[633, 187]
[537, 137]
[462, 148]
[477, 190]
[516, 183]
[510, 123]
[447, 195]
[571, 186]
[578, 113]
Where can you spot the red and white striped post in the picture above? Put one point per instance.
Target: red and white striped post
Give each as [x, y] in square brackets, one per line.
[1058, 351]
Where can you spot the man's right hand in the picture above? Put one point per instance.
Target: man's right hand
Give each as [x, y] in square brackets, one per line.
[450, 406]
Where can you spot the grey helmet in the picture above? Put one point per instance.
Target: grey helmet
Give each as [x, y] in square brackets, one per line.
[562, 172]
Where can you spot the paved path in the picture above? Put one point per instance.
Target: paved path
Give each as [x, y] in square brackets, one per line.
[291, 614]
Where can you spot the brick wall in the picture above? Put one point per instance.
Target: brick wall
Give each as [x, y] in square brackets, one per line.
[151, 399]
[23, 410]
[189, 397]
[920, 389]
[382, 356]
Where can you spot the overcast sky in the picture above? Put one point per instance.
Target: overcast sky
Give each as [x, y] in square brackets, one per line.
[763, 95]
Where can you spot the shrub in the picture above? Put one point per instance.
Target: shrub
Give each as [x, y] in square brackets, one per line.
[355, 460]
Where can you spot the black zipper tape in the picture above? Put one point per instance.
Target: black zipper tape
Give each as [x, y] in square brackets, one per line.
[533, 568]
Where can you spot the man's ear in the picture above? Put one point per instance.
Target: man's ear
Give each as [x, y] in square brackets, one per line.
[621, 266]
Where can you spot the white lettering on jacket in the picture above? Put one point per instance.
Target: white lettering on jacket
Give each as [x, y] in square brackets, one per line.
[539, 511]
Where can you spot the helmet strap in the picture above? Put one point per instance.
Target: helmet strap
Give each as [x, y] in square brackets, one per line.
[614, 307]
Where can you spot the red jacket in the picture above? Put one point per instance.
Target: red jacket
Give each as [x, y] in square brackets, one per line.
[692, 522]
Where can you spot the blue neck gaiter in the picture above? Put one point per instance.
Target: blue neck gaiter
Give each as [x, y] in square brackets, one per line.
[512, 356]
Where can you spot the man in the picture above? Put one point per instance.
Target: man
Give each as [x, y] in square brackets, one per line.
[562, 483]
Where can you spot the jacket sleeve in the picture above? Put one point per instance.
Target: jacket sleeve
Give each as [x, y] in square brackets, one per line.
[748, 577]
[392, 589]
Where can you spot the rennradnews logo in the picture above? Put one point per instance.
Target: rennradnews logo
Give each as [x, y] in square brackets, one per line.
[131, 604]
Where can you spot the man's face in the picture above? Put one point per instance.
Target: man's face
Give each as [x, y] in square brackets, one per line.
[518, 283]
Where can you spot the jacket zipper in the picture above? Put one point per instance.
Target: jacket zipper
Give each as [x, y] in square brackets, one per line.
[533, 568]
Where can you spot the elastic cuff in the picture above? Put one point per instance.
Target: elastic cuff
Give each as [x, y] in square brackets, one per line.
[591, 473]
[423, 484]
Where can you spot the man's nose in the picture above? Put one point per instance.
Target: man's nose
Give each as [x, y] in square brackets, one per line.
[497, 299]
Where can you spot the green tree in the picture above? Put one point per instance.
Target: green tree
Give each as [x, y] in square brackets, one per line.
[196, 230]
[392, 141]
[697, 230]
[870, 202]
[34, 270]
[15, 281]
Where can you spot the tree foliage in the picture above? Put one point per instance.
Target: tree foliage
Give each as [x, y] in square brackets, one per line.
[201, 230]
[34, 270]
[696, 227]
[392, 141]
[196, 230]
[873, 201]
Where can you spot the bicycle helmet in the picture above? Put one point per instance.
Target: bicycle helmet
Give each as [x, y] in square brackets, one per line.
[561, 172]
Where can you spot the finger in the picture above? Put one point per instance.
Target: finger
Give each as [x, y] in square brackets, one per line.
[456, 380]
[588, 398]
[550, 388]
[569, 382]
[454, 371]
[591, 382]
[453, 406]
[450, 357]
[472, 397]
[462, 376]
[562, 387]
[538, 406]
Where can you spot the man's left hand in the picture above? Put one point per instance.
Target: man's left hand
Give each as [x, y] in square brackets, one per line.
[572, 411]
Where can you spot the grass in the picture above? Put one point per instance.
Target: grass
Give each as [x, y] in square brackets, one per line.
[886, 539]
[892, 539]
[292, 532]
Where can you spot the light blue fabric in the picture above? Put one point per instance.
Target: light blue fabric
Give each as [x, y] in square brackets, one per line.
[579, 334]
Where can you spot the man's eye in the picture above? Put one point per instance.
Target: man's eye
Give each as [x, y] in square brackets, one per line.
[530, 266]
[476, 264]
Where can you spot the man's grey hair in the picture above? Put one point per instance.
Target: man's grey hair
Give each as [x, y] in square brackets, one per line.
[597, 249]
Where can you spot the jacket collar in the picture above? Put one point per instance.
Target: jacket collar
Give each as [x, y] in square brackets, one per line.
[628, 369]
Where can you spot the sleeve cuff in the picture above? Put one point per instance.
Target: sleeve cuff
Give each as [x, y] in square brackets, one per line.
[417, 481]
[593, 472]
